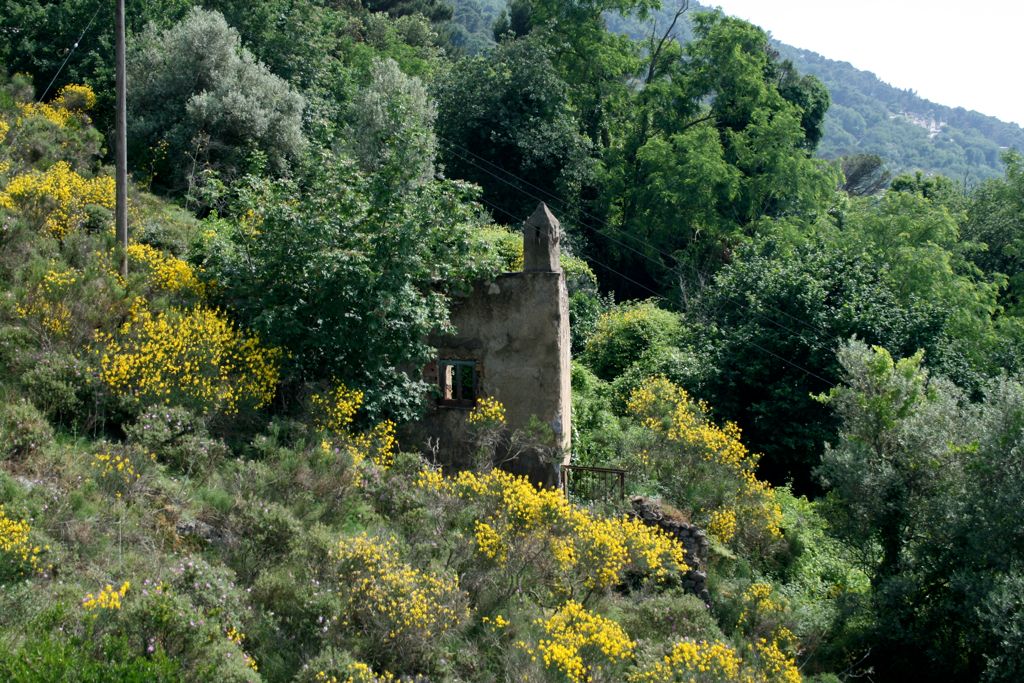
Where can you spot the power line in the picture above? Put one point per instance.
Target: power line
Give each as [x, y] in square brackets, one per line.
[643, 255]
[589, 258]
[469, 153]
[754, 344]
[99, 6]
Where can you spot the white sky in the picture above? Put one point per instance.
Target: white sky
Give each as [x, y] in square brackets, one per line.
[961, 54]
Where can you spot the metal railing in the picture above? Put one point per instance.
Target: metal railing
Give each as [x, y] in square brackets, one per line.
[593, 483]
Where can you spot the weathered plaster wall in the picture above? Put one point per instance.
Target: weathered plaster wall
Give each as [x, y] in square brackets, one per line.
[517, 328]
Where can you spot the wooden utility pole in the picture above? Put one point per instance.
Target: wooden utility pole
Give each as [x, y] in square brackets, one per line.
[121, 147]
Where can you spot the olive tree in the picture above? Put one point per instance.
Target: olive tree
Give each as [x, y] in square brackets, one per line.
[198, 99]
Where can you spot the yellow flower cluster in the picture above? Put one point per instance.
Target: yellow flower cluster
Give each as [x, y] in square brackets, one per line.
[117, 469]
[71, 100]
[108, 598]
[76, 97]
[497, 623]
[760, 607]
[400, 603]
[668, 410]
[194, 356]
[715, 662]
[380, 444]
[722, 524]
[4, 165]
[337, 408]
[692, 662]
[166, 272]
[58, 116]
[57, 198]
[356, 672]
[489, 543]
[580, 644]
[48, 301]
[16, 548]
[775, 665]
[595, 550]
[237, 637]
[488, 411]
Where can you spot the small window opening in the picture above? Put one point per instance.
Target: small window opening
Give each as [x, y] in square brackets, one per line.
[457, 381]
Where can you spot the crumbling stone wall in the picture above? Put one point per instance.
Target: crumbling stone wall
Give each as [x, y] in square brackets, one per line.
[516, 331]
[670, 520]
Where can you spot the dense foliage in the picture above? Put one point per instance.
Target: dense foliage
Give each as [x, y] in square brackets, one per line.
[810, 371]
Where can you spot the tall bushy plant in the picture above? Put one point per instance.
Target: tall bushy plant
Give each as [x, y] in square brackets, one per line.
[392, 127]
[346, 275]
[199, 99]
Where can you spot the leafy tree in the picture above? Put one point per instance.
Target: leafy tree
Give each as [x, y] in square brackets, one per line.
[625, 333]
[891, 271]
[937, 188]
[435, 10]
[895, 446]
[929, 486]
[774, 316]
[346, 274]
[37, 37]
[392, 127]
[200, 100]
[898, 451]
[514, 20]
[864, 175]
[504, 117]
[594, 62]
[995, 218]
[714, 147]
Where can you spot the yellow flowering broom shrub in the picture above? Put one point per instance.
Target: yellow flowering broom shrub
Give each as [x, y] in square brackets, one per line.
[55, 200]
[764, 657]
[702, 467]
[107, 598]
[354, 672]
[119, 471]
[165, 271]
[487, 411]
[514, 523]
[581, 647]
[335, 411]
[702, 661]
[4, 164]
[194, 357]
[19, 555]
[71, 102]
[399, 610]
[47, 305]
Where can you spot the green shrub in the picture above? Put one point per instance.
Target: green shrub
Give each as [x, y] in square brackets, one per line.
[61, 659]
[206, 647]
[194, 82]
[23, 430]
[15, 341]
[625, 333]
[300, 606]
[679, 366]
[667, 617]
[178, 438]
[60, 385]
[267, 532]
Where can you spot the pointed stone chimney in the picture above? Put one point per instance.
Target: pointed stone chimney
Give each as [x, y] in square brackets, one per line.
[541, 234]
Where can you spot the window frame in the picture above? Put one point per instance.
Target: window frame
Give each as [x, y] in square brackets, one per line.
[459, 366]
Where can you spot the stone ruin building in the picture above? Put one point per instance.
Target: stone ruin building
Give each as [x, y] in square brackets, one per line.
[511, 343]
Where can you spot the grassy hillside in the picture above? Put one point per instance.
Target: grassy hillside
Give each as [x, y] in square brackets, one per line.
[170, 511]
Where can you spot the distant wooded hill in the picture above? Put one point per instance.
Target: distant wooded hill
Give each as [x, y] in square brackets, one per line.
[866, 116]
